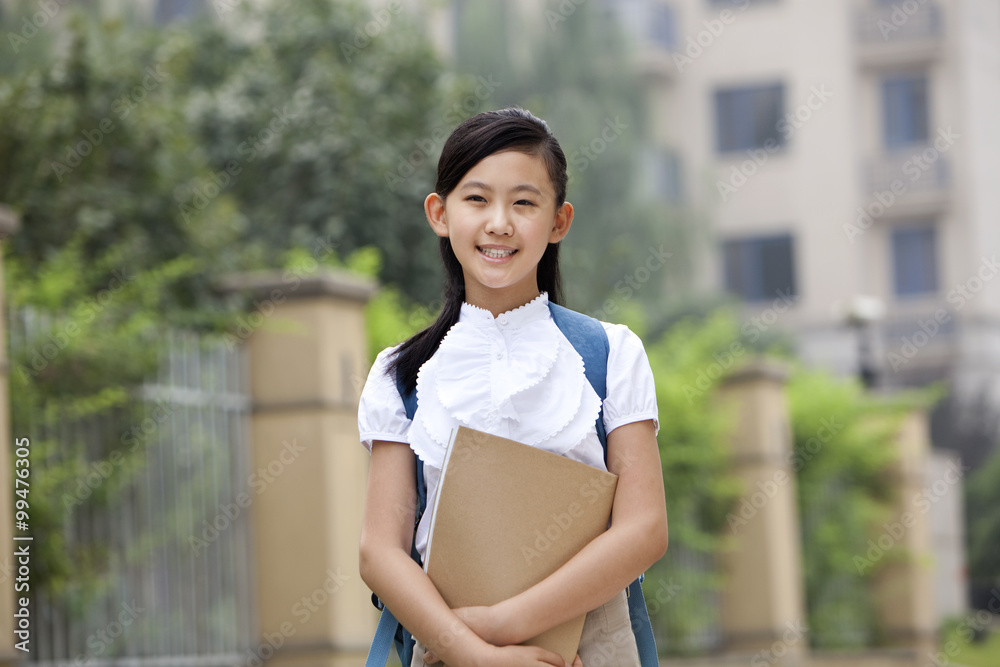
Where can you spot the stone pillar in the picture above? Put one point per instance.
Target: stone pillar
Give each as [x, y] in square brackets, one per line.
[8, 226]
[763, 603]
[904, 584]
[308, 358]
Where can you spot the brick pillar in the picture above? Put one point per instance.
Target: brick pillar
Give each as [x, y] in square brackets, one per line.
[904, 585]
[8, 226]
[763, 603]
[307, 351]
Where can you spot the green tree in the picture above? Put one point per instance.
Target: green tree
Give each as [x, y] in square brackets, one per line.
[232, 139]
[842, 450]
[116, 148]
[316, 127]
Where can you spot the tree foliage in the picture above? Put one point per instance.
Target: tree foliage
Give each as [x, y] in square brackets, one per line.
[232, 140]
[322, 131]
[844, 445]
[145, 162]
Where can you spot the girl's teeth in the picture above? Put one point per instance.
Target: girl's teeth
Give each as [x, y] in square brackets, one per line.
[496, 254]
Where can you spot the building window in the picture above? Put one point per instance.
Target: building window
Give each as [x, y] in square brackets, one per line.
[914, 261]
[760, 268]
[747, 117]
[904, 107]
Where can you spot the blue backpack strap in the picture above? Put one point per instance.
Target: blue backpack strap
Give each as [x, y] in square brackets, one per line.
[589, 339]
[385, 635]
[645, 642]
[410, 404]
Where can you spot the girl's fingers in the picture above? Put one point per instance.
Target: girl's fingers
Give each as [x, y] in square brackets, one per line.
[577, 662]
[430, 658]
[550, 658]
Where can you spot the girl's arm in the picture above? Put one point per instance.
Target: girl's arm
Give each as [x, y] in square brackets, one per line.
[386, 567]
[636, 539]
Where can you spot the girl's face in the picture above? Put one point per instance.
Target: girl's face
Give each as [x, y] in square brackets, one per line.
[500, 219]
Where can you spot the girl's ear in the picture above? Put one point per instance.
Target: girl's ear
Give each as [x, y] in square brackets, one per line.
[562, 222]
[434, 210]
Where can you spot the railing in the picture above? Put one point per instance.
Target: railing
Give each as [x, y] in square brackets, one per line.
[684, 611]
[159, 519]
[900, 22]
[842, 602]
[921, 169]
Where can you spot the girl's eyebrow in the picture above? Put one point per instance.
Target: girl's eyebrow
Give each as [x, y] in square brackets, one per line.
[523, 187]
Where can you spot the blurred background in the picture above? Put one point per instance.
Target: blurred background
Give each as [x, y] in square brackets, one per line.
[212, 222]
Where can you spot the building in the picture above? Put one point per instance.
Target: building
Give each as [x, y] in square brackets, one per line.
[845, 153]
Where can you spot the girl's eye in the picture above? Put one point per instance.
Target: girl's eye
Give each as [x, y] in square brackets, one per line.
[476, 198]
[524, 202]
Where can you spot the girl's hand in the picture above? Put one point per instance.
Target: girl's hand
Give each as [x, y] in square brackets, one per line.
[517, 656]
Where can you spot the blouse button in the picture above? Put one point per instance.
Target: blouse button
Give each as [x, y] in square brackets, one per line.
[499, 356]
[503, 320]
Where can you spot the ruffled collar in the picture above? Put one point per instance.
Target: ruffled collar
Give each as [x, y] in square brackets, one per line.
[514, 375]
[536, 309]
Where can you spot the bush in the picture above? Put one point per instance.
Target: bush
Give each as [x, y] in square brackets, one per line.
[842, 451]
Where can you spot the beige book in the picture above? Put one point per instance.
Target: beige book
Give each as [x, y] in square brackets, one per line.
[507, 515]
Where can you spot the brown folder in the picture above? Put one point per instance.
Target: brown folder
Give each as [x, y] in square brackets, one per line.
[506, 516]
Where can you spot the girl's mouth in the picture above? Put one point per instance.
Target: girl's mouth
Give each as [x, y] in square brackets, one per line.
[496, 253]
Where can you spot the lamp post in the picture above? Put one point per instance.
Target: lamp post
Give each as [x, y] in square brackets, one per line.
[862, 313]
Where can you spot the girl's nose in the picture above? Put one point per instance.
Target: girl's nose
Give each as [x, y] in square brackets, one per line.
[499, 222]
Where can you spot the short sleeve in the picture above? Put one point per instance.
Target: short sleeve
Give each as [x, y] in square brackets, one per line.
[631, 389]
[381, 415]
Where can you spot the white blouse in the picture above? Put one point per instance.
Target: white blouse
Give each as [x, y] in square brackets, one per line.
[516, 376]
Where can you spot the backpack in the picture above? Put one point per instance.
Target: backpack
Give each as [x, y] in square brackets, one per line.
[589, 339]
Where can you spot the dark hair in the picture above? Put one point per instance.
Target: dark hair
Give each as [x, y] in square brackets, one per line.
[477, 138]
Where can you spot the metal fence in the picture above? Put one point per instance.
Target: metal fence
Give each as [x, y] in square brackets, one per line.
[840, 605]
[683, 601]
[149, 508]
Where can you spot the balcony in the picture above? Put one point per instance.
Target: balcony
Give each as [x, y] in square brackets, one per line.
[916, 180]
[891, 35]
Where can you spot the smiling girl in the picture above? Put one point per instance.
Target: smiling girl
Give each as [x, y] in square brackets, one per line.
[496, 361]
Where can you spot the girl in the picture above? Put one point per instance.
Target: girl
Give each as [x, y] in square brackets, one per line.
[495, 361]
